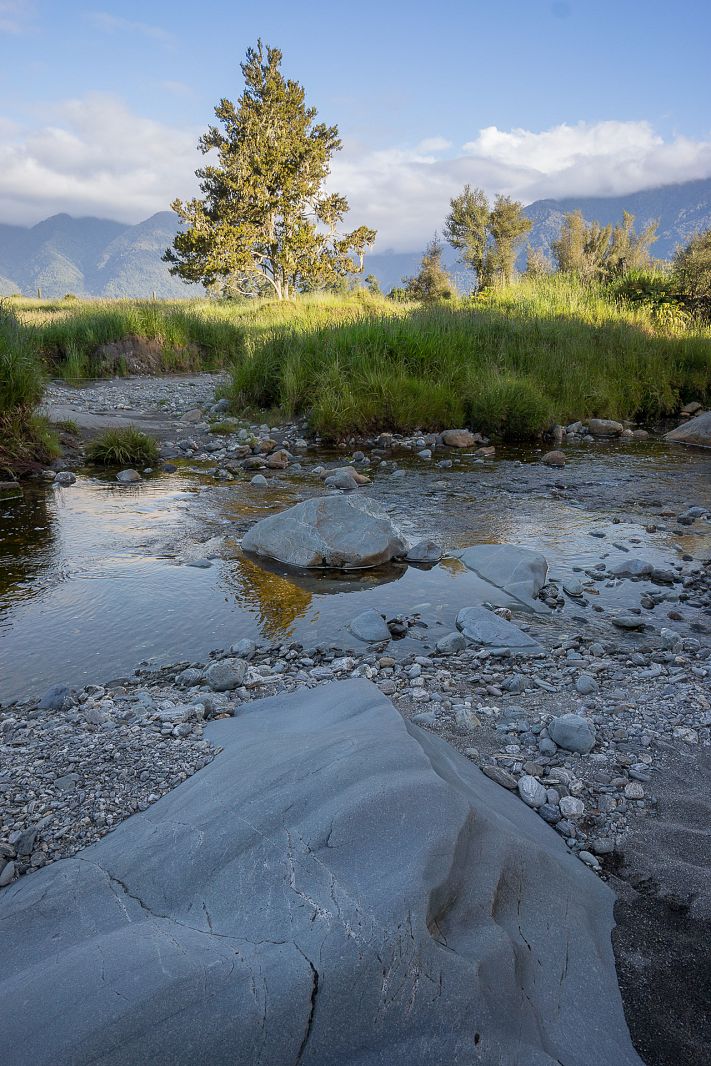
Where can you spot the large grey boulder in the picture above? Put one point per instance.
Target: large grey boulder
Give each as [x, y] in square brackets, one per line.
[695, 431]
[347, 532]
[519, 572]
[482, 626]
[335, 887]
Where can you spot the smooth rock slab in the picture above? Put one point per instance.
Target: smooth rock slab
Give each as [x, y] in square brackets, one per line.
[348, 532]
[520, 572]
[481, 626]
[335, 887]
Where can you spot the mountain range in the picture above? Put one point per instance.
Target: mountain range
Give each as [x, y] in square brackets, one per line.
[99, 257]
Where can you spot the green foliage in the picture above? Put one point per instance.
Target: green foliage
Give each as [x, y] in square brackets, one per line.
[123, 447]
[507, 226]
[432, 282]
[538, 265]
[466, 228]
[265, 223]
[593, 252]
[509, 363]
[21, 376]
[487, 237]
[692, 273]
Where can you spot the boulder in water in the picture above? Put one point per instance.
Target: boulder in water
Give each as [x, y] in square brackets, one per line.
[696, 431]
[345, 532]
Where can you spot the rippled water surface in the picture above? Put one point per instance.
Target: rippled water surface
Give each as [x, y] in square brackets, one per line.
[93, 578]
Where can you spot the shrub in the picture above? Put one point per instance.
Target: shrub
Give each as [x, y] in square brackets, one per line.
[123, 447]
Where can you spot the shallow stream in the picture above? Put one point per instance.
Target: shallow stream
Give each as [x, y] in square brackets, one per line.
[94, 578]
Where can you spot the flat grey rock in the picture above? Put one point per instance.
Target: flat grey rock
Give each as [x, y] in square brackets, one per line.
[335, 887]
[519, 572]
[348, 532]
[482, 626]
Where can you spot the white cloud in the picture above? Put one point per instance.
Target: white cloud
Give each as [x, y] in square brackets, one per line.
[103, 20]
[16, 16]
[405, 193]
[434, 144]
[95, 156]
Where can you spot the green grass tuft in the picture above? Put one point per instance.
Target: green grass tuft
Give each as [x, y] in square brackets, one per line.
[123, 447]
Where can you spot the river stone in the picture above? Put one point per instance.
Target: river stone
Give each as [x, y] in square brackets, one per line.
[369, 626]
[349, 532]
[459, 438]
[481, 626]
[451, 644]
[586, 685]
[518, 571]
[604, 427]
[337, 886]
[696, 431]
[424, 552]
[65, 477]
[54, 697]
[127, 476]
[225, 674]
[572, 732]
[531, 791]
[554, 458]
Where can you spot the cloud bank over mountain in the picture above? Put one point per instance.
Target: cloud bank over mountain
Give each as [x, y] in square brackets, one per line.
[93, 155]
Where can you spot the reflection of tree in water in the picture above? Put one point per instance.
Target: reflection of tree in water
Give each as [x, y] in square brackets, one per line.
[27, 545]
[278, 601]
[281, 595]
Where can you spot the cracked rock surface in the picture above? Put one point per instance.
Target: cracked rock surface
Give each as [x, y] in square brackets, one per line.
[337, 886]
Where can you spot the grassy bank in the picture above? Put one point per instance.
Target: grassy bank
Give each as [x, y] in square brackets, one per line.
[70, 337]
[509, 364]
[25, 439]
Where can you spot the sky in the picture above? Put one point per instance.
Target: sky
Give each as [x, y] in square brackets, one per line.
[101, 106]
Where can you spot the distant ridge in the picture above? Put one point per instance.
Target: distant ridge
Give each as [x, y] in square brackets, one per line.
[99, 257]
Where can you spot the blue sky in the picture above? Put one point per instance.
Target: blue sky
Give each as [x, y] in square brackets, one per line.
[100, 106]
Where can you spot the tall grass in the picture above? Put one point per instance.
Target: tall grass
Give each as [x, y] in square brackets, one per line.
[24, 438]
[508, 364]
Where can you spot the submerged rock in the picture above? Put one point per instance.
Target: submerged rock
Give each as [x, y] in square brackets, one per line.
[348, 532]
[369, 626]
[335, 887]
[519, 572]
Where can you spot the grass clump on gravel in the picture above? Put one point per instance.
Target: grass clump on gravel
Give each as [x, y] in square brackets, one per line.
[123, 447]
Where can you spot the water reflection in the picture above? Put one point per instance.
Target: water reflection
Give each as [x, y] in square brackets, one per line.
[28, 530]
